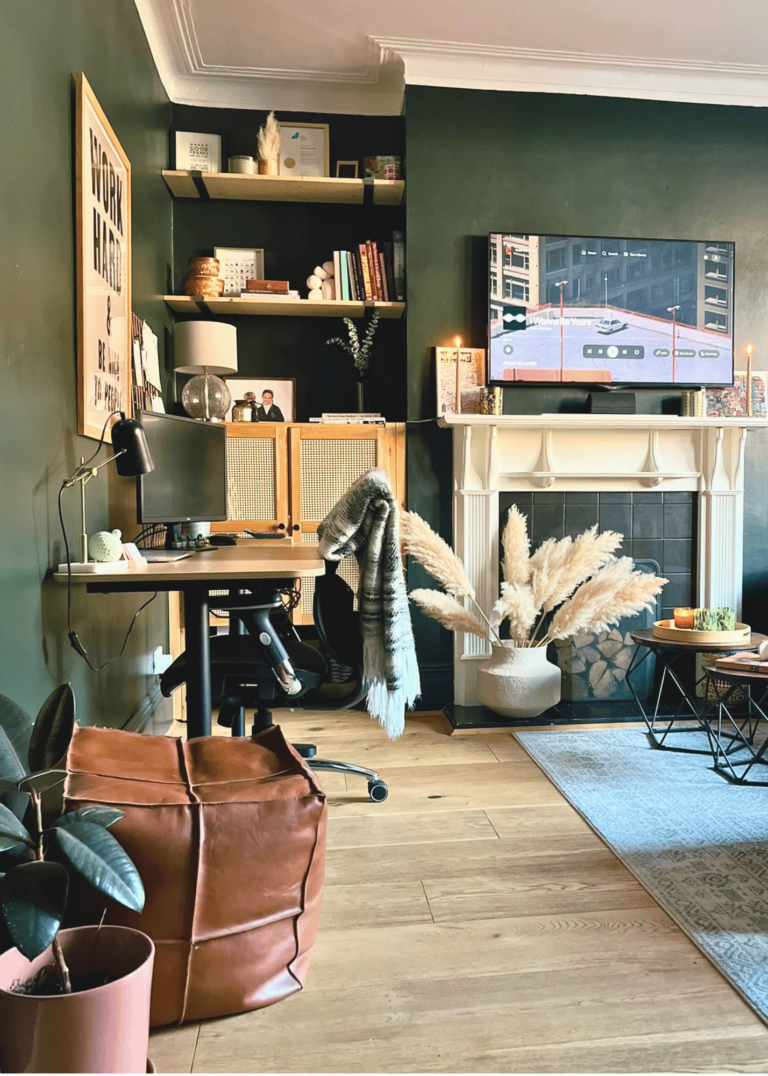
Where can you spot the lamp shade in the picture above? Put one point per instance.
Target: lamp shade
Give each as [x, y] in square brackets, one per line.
[129, 439]
[199, 345]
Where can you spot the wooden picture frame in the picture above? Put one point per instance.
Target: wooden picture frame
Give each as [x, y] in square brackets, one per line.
[195, 152]
[103, 205]
[347, 169]
[283, 390]
[315, 139]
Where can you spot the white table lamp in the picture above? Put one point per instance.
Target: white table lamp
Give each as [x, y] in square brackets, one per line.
[208, 349]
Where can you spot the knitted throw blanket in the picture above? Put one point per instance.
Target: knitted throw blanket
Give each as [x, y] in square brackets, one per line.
[365, 522]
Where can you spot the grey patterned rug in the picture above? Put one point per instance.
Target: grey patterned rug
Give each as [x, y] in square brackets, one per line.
[698, 844]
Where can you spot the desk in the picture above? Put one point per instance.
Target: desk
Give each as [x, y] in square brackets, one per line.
[226, 568]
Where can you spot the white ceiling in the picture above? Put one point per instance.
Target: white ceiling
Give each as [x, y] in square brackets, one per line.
[355, 56]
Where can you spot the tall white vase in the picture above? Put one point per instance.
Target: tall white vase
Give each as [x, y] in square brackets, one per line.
[518, 681]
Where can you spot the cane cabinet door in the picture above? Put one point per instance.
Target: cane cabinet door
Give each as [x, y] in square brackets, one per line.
[257, 478]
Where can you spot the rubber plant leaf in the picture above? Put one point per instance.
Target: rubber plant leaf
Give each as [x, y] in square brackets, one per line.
[11, 830]
[99, 858]
[17, 802]
[33, 897]
[15, 734]
[100, 816]
[52, 730]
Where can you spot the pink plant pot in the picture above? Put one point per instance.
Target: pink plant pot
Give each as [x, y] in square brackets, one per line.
[101, 1030]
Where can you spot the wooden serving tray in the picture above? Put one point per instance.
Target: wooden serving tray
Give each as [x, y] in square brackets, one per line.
[665, 629]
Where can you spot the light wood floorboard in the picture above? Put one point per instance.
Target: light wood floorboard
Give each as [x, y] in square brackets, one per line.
[475, 923]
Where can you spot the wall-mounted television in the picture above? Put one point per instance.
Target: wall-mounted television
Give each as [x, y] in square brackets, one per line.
[608, 310]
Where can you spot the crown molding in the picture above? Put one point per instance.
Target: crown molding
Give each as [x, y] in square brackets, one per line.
[493, 67]
[375, 89]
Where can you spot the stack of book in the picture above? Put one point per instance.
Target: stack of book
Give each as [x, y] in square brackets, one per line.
[694, 403]
[374, 272]
[274, 289]
[349, 418]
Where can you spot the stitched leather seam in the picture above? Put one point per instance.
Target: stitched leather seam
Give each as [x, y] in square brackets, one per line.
[197, 817]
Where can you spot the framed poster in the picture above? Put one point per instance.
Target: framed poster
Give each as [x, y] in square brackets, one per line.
[237, 265]
[276, 396]
[103, 216]
[304, 149]
[469, 379]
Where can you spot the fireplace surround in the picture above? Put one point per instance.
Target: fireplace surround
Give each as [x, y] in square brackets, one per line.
[597, 454]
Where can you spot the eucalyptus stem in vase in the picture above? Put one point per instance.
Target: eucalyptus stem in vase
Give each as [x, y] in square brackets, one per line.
[360, 350]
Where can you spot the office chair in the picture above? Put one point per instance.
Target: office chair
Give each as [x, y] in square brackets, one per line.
[269, 662]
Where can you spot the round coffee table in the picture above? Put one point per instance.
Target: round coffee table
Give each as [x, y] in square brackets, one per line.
[730, 735]
[669, 652]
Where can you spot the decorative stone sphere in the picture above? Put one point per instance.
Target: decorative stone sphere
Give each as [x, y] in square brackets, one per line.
[206, 397]
[106, 545]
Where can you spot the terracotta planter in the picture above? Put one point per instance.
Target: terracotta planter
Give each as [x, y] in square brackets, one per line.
[518, 681]
[101, 1030]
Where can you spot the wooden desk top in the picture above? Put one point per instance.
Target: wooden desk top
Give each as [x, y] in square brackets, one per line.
[645, 637]
[257, 560]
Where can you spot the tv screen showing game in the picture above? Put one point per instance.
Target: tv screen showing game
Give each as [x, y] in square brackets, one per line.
[603, 310]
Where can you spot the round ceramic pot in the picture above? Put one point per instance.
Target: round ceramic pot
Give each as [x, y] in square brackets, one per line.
[101, 1030]
[518, 681]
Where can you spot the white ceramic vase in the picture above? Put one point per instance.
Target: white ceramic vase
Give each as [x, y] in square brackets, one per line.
[518, 681]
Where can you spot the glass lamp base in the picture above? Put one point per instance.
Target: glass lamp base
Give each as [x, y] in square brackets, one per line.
[206, 398]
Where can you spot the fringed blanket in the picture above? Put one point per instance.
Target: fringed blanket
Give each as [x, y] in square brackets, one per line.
[365, 522]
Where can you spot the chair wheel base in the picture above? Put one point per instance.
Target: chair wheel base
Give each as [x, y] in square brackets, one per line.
[378, 791]
[306, 750]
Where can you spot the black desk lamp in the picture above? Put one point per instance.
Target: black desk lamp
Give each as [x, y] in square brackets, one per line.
[132, 457]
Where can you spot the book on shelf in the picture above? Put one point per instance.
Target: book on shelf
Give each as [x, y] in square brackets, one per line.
[398, 262]
[346, 294]
[337, 275]
[749, 662]
[377, 270]
[365, 271]
[250, 294]
[354, 287]
[268, 285]
[349, 418]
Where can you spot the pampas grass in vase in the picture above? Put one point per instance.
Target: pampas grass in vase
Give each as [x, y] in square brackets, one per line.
[565, 587]
[268, 143]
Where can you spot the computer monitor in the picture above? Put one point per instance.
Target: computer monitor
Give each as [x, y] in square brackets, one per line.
[189, 482]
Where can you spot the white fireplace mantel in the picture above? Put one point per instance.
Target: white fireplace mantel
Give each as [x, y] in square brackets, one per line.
[574, 453]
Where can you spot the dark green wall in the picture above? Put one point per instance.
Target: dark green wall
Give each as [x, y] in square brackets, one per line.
[295, 238]
[42, 45]
[480, 161]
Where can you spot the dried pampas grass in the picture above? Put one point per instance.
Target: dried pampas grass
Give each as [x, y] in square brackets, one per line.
[433, 554]
[268, 140]
[516, 605]
[516, 546]
[615, 591]
[448, 612]
[584, 556]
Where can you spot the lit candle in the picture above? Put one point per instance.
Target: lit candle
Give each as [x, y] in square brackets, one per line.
[683, 618]
[749, 350]
[457, 343]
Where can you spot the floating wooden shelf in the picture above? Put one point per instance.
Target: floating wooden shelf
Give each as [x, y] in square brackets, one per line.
[308, 308]
[227, 185]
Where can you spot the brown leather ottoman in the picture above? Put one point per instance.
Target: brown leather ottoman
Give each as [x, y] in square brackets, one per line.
[228, 835]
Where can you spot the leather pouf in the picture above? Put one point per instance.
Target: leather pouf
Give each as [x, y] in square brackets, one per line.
[228, 835]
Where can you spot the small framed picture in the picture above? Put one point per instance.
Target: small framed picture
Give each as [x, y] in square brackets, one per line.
[237, 265]
[198, 152]
[347, 169]
[304, 149]
[273, 398]
[466, 382]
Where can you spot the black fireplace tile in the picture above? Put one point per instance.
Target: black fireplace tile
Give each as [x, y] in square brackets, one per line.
[516, 498]
[646, 498]
[648, 521]
[615, 498]
[581, 498]
[548, 498]
[678, 555]
[677, 591]
[678, 497]
[548, 522]
[616, 517]
[678, 520]
[579, 518]
[648, 550]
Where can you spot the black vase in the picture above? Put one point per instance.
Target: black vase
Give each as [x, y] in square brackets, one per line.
[362, 392]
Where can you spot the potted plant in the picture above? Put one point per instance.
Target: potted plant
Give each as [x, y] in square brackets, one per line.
[565, 587]
[70, 1000]
[360, 350]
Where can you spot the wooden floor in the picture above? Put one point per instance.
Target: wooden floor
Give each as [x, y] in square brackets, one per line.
[474, 923]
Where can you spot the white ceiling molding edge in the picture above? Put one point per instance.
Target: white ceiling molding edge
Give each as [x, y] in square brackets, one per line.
[490, 67]
[188, 80]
